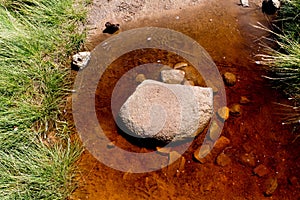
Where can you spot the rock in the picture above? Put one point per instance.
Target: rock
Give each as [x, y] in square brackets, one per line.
[205, 154]
[248, 159]
[270, 186]
[140, 78]
[80, 60]
[261, 170]
[223, 160]
[270, 6]
[201, 153]
[221, 143]
[235, 109]
[192, 74]
[214, 131]
[180, 65]
[223, 113]
[172, 76]
[244, 100]
[166, 111]
[111, 145]
[229, 79]
[245, 3]
[163, 150]
[111, 28]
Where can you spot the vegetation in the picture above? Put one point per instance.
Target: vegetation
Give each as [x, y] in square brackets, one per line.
[284, 61]
[37, 38]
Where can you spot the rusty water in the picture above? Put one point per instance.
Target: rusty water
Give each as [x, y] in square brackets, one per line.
[224, 30]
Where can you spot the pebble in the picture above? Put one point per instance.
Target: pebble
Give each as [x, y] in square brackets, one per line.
[229, 79]
[248, 159]
[163, 150]
[223, 160]
[221, 143]
[111, 145]
[173, 156]
[201, 152]
[140, 78]
[244, 100]
[80, 60]
[214, 131]
[223, 113]
[235, 109]
[270, 186]
[180, 65]
[172, 76]
[261, 170]
[245, 3]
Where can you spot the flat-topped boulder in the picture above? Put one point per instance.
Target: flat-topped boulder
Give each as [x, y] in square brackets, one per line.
[166, 111]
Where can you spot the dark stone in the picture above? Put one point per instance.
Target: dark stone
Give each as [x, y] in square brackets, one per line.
[268, 7]
[111, 28]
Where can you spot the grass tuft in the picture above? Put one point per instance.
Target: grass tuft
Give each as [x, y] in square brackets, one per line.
[37, 38]
[284, 61]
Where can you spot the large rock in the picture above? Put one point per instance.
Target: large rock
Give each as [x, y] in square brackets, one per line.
[166, 111]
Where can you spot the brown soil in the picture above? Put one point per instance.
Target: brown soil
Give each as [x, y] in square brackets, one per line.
[223, 29]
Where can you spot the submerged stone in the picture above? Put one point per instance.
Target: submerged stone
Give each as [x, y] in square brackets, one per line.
[166, 111]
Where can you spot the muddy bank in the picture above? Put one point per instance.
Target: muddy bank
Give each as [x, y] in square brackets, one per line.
[256, 135]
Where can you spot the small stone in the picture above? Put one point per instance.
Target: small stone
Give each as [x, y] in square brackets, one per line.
[235, 109]
[163, 150]
[248, 159]
[180, 65]
[245, 3]
[191, 83]
[223, 160]
[223, 113]
[214, 131]
[201, 152]
[173, 156]
[270, 186]
[140, 78]
[261, 170]
[244, 100]
[221, 143]
[229, 79]
[81, 60]
[111, 145]
[172, 76]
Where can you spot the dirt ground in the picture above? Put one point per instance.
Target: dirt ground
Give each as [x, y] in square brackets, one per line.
[256, 136]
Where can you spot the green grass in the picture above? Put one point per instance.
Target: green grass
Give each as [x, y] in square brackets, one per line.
[284, 61]
[37, 38]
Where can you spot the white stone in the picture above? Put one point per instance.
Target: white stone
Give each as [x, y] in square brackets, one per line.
[166, 111]
[81, 59]
[245, 3]
[172, 76]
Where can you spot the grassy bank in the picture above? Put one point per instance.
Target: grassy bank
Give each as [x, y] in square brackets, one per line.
[36, 40]
[284, 61]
